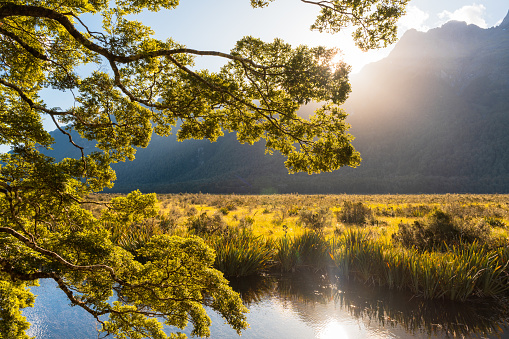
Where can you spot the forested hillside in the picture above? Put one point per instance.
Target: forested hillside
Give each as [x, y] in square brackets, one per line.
[433, 117]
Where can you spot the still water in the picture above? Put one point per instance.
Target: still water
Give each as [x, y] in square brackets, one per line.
[306, 306]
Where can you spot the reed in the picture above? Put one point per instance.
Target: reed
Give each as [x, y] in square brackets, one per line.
[287, 255]
[240, 253]
[490, 267]
[310, 249]
[395, 273]
[463, 271]
[357, 256]
[313, 250]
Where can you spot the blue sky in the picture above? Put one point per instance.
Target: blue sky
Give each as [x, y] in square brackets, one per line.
[218, 24]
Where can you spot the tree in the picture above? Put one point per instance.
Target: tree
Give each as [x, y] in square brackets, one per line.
[140, 86]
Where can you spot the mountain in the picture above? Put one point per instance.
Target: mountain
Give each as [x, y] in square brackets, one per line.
[505, 23]
[432, 117]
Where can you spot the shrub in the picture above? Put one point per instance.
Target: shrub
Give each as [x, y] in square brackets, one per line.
[190, 211]
[169, 221]
[228, 202]
[246, 221]
[293, 210]
[354, 213]
[494, 222]
[413, 235]
[230, 206]
[439, 230]
[418, 211]
[205, 225]
[279, 217]
[316, 220]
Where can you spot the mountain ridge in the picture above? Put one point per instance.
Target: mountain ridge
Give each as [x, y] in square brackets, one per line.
[505, 22]
[430, 118]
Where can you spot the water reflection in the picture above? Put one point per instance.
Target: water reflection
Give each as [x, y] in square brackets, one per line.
[53, 318]
[316, 298]
[332, 329]
[307, 306]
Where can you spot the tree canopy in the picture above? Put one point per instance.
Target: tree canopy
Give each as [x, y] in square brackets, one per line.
[138, 86]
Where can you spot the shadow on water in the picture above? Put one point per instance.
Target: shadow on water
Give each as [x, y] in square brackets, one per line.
[478, 318]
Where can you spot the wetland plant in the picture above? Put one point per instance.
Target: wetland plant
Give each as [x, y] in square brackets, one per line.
[240, 253]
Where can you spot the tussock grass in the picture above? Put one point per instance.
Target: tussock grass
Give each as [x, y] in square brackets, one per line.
[366, 242]
[239, 253]
[461, 272]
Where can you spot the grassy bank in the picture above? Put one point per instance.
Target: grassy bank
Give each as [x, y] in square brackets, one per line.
[437, 246]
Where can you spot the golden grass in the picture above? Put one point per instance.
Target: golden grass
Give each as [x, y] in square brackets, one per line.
[259, 231]
[274, 215]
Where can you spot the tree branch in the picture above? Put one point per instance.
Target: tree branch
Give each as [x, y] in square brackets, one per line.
[10, 9]
[29, 101]
[23, 44]
[27, 242]
[8, 268]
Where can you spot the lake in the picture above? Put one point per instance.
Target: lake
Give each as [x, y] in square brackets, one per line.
[305, 305]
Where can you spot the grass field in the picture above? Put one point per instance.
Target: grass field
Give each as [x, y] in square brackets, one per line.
[437, 246]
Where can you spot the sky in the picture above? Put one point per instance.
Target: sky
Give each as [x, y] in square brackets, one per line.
[218, 24]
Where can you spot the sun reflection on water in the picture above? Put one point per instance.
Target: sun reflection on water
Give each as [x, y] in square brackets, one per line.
[332, 330]
[289, 308]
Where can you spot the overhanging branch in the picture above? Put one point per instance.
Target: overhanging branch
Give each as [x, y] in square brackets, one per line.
[10, 9]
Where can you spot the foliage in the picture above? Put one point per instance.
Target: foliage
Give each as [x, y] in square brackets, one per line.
[246, 221]
[457, 271]
[133, 86]
[439, 229]
[462, 151]
[309, 249]
[495, 222]
[354, 213]
[13, 297]
[197, 284]
[279, 217]
[169, 221]
[130, 220]
[204, 225]
[315, 219]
